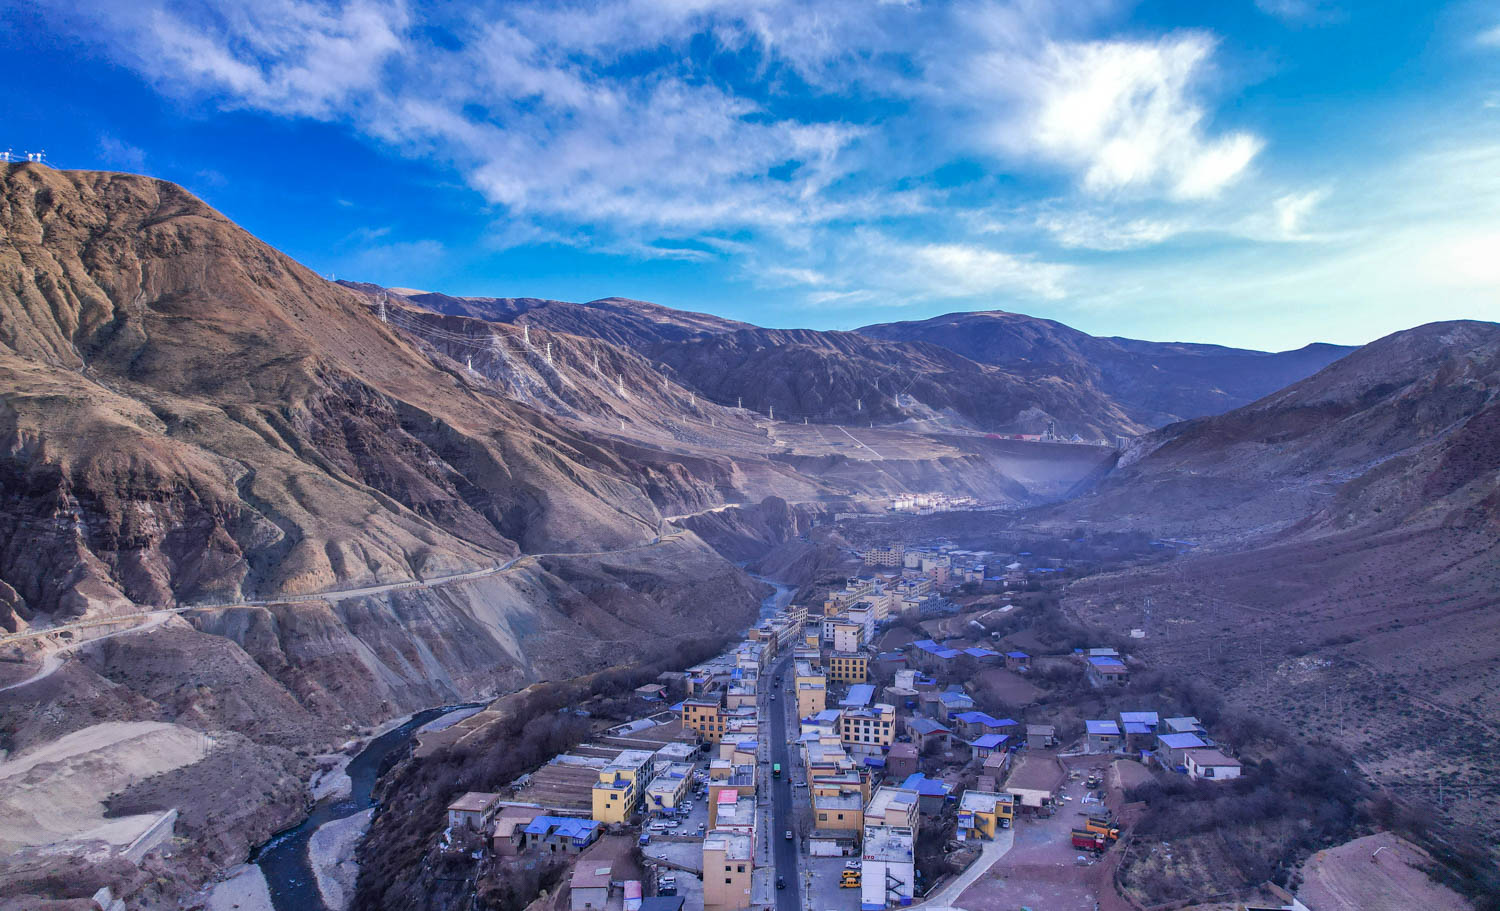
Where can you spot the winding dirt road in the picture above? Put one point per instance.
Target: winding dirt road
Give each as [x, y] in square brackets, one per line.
[53, 660]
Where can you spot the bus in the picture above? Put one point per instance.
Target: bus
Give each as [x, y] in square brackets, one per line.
[775, 770]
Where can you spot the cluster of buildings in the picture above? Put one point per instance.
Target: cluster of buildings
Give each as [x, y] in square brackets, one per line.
[949, 567]
[1181, 744]
[925, 504]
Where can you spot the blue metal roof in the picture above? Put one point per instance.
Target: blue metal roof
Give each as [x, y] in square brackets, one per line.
[1017, 655]
[926, 726]
[1142, 717]
[925, 786]
[1105, 661]
[859, 694]
[564, 826]
[1101, 727]
[989, 741]
[1181, 741]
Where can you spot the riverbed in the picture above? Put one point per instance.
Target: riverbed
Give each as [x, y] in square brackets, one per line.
[284, 859]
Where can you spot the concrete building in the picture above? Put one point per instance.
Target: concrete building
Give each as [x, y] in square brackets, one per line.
[844, 812]
[892, 806]
[848, 667]
[868, 731]
[848, 634]
[557, 834]
[1041, 736]
[1172, 749]
[1036, 779]
[1211, 765]
[1104, 671]
[1101, 736]
[669, 787]
[589, 885]
[738, 782]
[728, 864]
[982, 813]
[704, 716]
[895, 555]
[621, 786]
[901, 761]
[889, 873]
[474, 810]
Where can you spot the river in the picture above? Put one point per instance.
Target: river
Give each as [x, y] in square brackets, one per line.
[776, 600]
[284, 860]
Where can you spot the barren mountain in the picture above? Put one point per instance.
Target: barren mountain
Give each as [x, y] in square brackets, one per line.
[1346, 563]
[1154, 382]
[191, 418]
[995, 372]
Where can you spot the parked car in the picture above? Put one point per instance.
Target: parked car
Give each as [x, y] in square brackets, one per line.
[673, 824]
[788, 834]
[852, 865]
[781, 882]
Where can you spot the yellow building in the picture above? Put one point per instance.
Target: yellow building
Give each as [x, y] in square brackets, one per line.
[848, 667]
[838, 811]
[812, 690]
[728, 862]
[705, 717]
[670, 787]
[982, 813]
[874, 726]
[621, 785]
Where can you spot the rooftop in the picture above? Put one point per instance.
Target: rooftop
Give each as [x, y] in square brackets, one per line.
[989, 741]
[592, 875]
[1102, 727]
[474, 802]
[1139, 717]
[1211, 757]
[888, 843]
[983, 801]
[1181, 741]
[886, 797]
[860, 694]
[735, 845]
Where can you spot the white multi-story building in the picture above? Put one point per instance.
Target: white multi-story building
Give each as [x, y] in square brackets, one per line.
[888, 867]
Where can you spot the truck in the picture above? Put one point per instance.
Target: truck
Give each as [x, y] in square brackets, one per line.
[1088, 841]
[1101, 825]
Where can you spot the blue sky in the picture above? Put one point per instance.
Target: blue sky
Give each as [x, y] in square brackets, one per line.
[1261, 173]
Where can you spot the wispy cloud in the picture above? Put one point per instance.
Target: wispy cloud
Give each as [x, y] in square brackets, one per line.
[120, 154]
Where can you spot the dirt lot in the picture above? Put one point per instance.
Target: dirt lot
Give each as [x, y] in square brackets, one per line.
[1041, 870]
[1376, 873]
[1010, 687]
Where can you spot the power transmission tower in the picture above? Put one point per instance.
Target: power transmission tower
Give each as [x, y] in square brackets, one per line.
[380, 309]
[773, 412]
[859, 405]
[549, 354]
[526, 333]
[739, 401]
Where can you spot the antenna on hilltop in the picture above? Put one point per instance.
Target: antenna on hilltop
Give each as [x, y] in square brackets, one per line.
[772, 415]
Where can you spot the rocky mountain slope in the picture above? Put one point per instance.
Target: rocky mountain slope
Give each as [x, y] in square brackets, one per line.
[1346, 574]
[191, 418]
[989, 371]
[1154, 382]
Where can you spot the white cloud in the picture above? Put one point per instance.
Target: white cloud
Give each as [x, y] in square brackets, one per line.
[1301, 11]
[1293, 209]
[1490, 37]
[1122, 113]
[1092, 231]
[120, 154]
